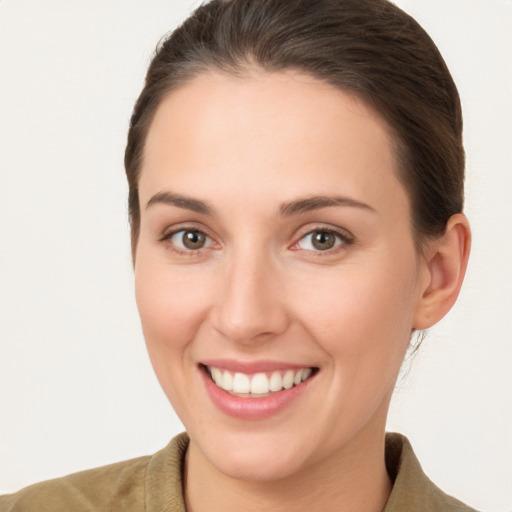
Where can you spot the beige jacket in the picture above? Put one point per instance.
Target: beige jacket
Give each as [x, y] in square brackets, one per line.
[154, 484]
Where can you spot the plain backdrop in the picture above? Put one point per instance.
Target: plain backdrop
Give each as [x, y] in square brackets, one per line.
[76, 386]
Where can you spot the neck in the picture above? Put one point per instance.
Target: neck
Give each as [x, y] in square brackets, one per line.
[352, 479]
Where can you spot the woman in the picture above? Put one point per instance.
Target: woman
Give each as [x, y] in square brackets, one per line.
[295, 200]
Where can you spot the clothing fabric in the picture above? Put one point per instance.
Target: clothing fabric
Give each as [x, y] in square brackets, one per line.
[155, 484]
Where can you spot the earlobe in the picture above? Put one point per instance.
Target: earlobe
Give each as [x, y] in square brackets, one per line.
[445, 267]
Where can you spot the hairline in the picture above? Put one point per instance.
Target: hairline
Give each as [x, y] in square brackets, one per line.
[249, 68]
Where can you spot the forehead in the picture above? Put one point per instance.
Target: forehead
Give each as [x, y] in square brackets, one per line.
[267, 129]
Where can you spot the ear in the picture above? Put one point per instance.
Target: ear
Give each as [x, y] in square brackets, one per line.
[444, 267]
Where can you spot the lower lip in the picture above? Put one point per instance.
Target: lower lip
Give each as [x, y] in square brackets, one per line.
[252, 408]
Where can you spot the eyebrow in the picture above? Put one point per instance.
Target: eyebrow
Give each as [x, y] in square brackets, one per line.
[188, 203]
[308, 204]
[297, 206]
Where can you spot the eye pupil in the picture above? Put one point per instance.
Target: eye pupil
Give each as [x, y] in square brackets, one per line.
[193, 239]
[323, 240]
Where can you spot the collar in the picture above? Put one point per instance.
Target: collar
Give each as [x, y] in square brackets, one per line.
[412, 490]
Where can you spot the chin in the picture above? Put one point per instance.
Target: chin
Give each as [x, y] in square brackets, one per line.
[256, 458]
[261, 469]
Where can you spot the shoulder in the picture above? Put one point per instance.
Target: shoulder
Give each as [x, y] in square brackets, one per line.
[412, 490]
[95, 489]
[124, 486]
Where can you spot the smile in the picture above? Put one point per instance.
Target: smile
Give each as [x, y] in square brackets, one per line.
[257, 385]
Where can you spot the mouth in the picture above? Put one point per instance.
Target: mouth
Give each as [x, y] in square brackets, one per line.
[257, 385]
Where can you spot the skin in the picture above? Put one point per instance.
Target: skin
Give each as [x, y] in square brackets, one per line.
[258, 289]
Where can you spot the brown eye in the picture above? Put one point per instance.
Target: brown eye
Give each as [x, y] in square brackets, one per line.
[323, 240]
[193, 239]
[190, 240]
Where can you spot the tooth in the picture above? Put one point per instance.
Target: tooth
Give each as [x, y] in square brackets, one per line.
[288, 379]
[227, 381]
[241, 383]
[216, 376]
[259, 384]
[306, 373]
[276, 382]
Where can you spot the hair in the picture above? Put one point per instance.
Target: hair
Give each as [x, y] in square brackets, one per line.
[369, 48]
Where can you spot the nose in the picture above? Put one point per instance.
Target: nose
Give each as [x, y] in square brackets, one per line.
[251, 305]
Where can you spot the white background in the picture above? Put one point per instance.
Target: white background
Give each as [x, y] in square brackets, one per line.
[76, 386]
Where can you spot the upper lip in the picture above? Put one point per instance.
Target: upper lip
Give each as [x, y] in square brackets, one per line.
[250, 367]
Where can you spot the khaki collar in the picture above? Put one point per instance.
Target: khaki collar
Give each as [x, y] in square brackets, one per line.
[412, 490]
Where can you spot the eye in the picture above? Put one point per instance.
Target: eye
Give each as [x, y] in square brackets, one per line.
[189, 240]
[322, 240]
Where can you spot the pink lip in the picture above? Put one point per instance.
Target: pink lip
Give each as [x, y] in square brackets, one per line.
[250, 367]
[252, 408]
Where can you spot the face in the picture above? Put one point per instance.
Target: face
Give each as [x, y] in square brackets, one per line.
[276, 272]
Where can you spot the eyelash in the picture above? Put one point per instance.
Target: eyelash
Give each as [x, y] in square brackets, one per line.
[167, 237]
[344, 240]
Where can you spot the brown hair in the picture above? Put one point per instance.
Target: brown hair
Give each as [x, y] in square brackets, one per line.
[367, 47]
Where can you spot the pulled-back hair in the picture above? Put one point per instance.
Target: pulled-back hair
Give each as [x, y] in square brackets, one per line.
[369, 48]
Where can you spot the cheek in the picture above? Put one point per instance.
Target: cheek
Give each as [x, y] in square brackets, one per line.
[362, 318]
[363, 326]
[171, 308]
[169, 301]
